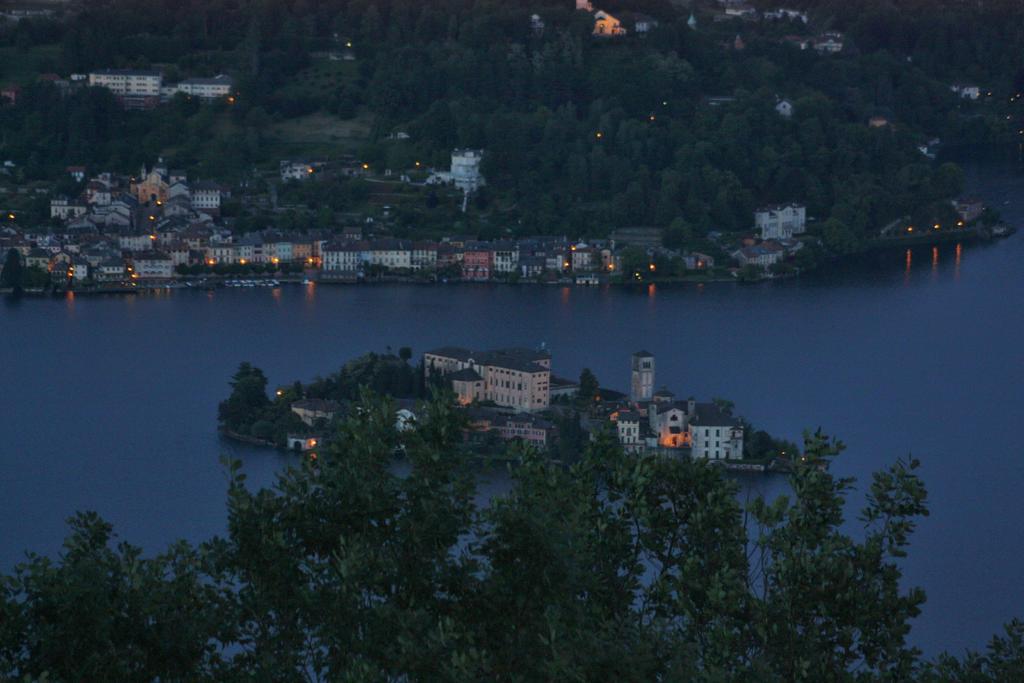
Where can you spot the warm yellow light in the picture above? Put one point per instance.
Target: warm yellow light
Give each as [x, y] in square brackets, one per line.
[231, 100]
[152, 218]
[312, 442]
[280, 392]
[611, 266]
[152, 237]
[572, 248]
[366, 167]
[348, 44]
[159, 203]
[651, 267]
[959, 224]
[242, 261]
[210, 261]
[10, 216]
[598, 135]
[275, 260]
[565, 264]
[417, 164]
[309, 170]
[910, 228]
[651, 117]
[936, 226]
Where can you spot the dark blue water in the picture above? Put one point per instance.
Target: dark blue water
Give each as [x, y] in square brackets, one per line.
[109, 403]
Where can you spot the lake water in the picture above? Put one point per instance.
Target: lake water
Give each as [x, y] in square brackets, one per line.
[110, 403]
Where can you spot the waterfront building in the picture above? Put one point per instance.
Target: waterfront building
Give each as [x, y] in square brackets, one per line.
[477, 263]
[714, 434]
[153, 266]
[519, 379]
[506, 257]
[762, 255]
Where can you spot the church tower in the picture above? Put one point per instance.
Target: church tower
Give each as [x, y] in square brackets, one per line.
[641, 387]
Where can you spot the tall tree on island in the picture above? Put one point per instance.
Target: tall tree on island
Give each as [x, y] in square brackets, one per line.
[589, 386]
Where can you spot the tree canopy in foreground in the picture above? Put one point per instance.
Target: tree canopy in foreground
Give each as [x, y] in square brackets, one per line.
[619, 567]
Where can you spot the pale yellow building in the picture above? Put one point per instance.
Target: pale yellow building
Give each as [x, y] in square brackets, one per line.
[512, 378]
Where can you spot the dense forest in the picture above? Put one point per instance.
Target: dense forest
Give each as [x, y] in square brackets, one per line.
[619, 568]
[581, 135]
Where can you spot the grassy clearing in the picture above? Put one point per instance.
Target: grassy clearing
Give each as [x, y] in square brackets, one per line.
[319, 134]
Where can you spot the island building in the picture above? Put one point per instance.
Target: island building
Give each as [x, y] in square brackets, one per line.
[656, 422]
[310, 410]
[519, 379]
[641, 386]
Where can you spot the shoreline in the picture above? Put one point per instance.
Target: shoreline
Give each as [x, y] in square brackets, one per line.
[212, 282]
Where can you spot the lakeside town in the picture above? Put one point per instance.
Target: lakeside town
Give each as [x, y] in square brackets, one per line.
[159, 227]
[505, 396]
[165, 226]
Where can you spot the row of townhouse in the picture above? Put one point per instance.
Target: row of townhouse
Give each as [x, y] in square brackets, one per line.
[476, 260]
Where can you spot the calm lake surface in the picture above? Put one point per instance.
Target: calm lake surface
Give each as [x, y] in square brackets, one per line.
[109, 404]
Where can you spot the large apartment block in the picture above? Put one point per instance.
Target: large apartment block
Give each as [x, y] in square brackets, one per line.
[519, 379]
[133, 89]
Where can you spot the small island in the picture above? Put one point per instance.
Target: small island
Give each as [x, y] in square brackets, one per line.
[506, 399]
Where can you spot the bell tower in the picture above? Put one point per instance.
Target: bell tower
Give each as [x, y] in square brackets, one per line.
[641, 387]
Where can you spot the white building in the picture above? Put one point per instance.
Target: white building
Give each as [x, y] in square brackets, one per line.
[715, 435]
[342, 257]
[300, 170]
[506, 257]
[784, 108]
[465, 172]
[206, 196]
[153, 266]
[829, 43]
[391, 254]
[207, 88]
[781, 221]
[784, 13]
[64, 208]
[128, 81]
[627, 427]
[968, 92]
